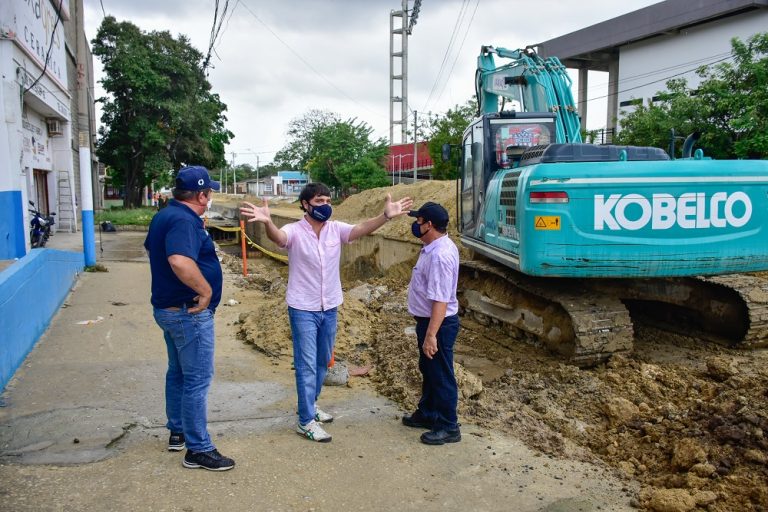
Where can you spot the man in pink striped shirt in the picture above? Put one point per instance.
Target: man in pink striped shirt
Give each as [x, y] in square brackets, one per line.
[314, 289]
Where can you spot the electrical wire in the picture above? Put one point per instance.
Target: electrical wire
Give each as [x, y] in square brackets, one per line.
[47, 53]
[659, 80]
[451, 41]
[458, 53]
[304, 61]
[218, 22]
[702, 61]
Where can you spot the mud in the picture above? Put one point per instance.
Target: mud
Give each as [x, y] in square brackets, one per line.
[684, 417]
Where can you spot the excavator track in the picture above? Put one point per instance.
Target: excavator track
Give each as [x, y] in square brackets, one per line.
[583, 327]
[586, 321]
[753, 291]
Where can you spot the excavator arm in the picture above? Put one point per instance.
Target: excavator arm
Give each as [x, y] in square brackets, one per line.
[527, 84]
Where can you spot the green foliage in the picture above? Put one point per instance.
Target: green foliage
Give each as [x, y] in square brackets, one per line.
[448, 129]
[297, 152]
[160, 113]
[730, 107]
[338, 153]
[127, 216]
[343, 156]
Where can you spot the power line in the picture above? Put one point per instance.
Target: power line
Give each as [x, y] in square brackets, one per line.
[47, 53]
[298, 56]
[660, 79]
[700, 62]
[218, 21]
[462, 11]
[458, 53]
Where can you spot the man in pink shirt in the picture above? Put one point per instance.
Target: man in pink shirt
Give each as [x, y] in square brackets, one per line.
[314, 289]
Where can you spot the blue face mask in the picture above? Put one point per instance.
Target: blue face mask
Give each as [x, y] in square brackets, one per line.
[416, 229]
[321, 213]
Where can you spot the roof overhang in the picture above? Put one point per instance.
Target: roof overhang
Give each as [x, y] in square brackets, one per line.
[596, 46]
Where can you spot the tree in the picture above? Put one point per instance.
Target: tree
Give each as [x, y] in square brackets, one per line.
[448, 129]
[160, 112]
[729, 108]
[342, 155]
[296, 153]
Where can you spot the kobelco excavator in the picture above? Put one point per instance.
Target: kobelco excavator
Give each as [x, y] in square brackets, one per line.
[571, 234]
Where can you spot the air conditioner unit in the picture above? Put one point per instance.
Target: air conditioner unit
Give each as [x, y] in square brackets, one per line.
[54, 127]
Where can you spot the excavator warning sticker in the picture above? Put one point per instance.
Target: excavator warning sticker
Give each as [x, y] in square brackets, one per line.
[547, 222]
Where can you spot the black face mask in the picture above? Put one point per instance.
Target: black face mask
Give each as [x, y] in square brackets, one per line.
[416, 229]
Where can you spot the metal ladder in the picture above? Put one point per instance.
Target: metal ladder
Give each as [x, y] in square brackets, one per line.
[66, 204]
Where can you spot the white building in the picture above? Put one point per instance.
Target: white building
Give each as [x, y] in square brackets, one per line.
[643, 49]
[47, 115]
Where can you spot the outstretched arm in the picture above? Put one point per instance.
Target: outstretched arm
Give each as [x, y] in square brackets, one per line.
[391, 210]
[261, 214]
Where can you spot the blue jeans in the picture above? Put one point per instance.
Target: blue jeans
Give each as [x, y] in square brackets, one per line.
[189, 340]
[313, 333]
[439, 391]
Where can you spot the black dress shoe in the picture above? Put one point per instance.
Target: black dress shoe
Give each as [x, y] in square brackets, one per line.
[417, 420]
[441, 436]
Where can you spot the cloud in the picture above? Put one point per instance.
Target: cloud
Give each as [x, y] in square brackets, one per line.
[276, 60]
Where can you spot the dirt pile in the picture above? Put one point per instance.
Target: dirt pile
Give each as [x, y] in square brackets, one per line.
[684, 417]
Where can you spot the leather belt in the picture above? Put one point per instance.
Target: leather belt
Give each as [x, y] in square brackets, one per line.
[188, 304]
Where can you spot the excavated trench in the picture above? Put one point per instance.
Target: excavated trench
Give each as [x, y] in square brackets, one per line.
[682, 415]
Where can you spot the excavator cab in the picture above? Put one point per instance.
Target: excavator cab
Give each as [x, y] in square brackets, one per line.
[492, 143]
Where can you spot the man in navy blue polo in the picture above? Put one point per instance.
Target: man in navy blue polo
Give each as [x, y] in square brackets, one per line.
[186, 288]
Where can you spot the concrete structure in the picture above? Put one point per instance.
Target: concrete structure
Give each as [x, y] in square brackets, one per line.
[643, 49]
[46, 100]
[31, 292]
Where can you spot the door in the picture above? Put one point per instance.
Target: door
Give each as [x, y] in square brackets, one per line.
[41, 191]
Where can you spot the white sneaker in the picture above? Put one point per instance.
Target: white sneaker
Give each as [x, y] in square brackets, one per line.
[314, 432]
[322, 417]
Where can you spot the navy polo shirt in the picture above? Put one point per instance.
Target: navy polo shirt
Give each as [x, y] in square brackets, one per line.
[178, 230]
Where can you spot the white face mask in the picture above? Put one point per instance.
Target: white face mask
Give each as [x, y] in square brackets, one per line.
[210, 202]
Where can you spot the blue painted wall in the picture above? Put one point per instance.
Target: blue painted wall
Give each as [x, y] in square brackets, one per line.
[11, 225]
[31, 292]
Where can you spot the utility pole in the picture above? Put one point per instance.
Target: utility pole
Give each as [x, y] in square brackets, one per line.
[400, 79]
[257, 175]
[415, 150]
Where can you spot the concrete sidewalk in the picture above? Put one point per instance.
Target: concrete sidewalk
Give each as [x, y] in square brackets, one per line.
[83, 429]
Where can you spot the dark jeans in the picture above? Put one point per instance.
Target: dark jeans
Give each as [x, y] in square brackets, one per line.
[439, 392]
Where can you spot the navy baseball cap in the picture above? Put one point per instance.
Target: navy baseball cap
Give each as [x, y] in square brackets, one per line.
[432, 212]
[195, 178]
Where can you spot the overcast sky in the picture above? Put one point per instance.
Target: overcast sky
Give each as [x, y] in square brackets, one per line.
[277, 59]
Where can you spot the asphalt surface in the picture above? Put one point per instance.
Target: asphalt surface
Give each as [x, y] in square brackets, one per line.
[82, 427]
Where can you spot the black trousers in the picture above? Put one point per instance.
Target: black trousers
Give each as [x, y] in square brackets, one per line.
[439, 392]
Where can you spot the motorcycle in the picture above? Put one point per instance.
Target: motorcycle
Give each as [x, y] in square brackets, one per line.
[40, 226]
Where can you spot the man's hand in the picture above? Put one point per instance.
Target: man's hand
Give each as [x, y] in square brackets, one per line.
[256, 213]
[202, 303]
[430, 345]
[400, 207]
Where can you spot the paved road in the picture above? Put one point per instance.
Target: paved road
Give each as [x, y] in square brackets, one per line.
[82, 429]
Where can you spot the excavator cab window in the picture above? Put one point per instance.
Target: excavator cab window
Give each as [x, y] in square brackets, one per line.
[511, 137]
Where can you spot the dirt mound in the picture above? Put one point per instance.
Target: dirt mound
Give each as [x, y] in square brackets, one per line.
[370, 203]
